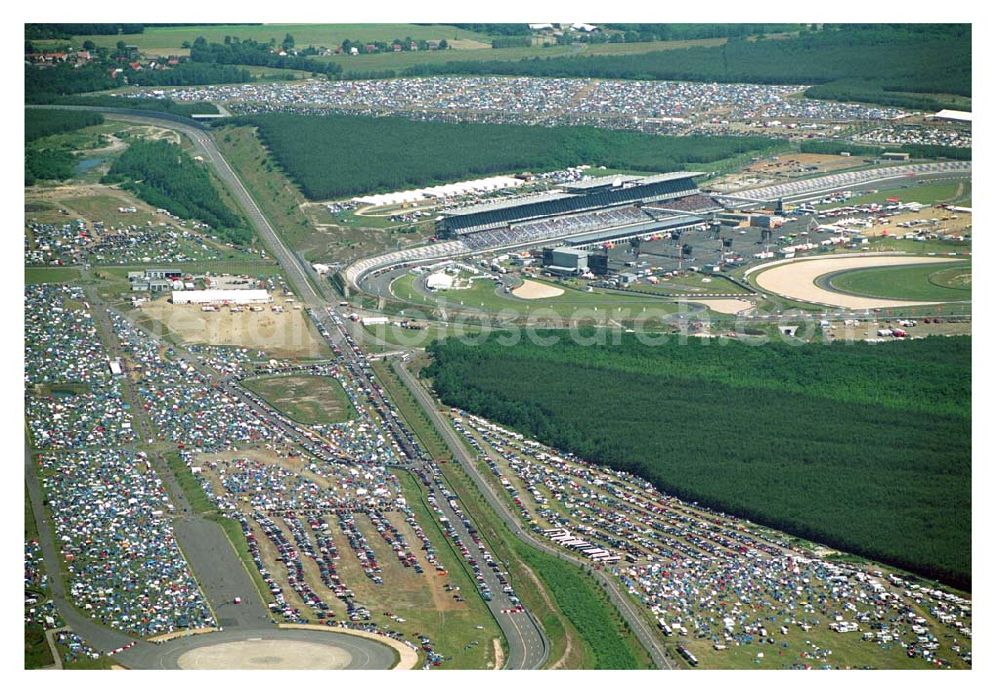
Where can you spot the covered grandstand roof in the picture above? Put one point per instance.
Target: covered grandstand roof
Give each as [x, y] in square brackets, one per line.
[604, 181]
[505, 204]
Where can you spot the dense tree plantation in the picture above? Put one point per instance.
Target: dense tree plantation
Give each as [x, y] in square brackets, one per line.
[875, 63]
[165, 176]
[865, 448]
[41, 122]
[335, 156]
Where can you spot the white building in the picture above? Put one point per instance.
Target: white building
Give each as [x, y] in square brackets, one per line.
[440, 281]
[234, 297]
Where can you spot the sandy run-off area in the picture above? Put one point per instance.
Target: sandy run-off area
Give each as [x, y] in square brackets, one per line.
[533, 290]
[796, 279]
[266, 654]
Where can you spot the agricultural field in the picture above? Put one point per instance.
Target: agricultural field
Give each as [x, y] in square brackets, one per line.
[310, 400]
[928, 283]
[399, 62]
[167, 40]
[814, 455]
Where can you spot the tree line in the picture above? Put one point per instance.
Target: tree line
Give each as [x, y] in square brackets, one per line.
[233, 51]
[864, 448]
[335, 156]
[163, 175]
[817, 146]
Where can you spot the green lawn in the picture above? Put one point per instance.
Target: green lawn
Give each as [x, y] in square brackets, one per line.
[54, 274]
[907, 282]
[310, 400]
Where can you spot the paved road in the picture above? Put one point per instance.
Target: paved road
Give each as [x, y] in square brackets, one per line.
[650, 639]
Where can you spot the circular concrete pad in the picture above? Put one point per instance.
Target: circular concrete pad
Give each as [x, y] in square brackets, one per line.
[265, 654]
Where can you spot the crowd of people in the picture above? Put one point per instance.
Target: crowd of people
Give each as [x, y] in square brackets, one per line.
[110, 513]
[705, 575]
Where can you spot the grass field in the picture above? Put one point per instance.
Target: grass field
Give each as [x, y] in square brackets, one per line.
[307, 399]
[958, 193]
[54, 274]
[931, 283]
[689, 283]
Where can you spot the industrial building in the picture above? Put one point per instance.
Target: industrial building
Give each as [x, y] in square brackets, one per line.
[221, 297]
[565, 260]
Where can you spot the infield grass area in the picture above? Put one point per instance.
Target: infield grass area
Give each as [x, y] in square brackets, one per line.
[310, 400]
[931, 283]
[598, 304]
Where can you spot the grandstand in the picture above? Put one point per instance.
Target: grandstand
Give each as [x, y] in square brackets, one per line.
[575, 198]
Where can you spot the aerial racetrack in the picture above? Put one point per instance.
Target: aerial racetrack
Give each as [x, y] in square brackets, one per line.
[821, 281]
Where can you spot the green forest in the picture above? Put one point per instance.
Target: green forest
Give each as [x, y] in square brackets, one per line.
[165, 176]
[43, 162]
[866, 448]
[41, 122]
[336, 156]
[901, 65]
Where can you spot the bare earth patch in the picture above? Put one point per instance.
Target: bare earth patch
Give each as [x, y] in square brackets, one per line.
[796, 279]
[724, 306]
[533, 290]
[262, 654]
[282, 334]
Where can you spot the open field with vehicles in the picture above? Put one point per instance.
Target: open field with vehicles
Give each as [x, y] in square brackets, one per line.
[582, 626]
[927, 457]
[282, 334]
[947, 192]
[309, 400]
[932, 283]
[661, 540]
